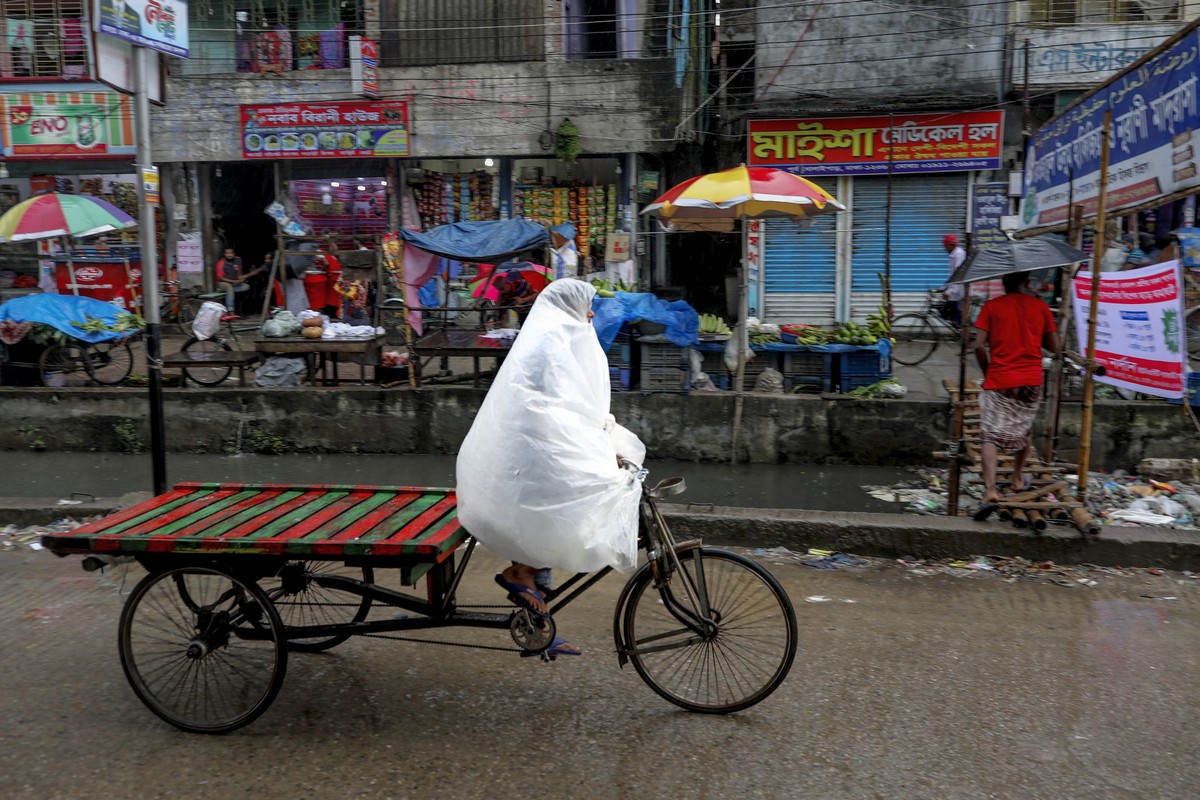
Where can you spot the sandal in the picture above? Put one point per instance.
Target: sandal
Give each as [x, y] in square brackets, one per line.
[984, 510]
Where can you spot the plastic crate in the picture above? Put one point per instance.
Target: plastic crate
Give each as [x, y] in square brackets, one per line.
[658, 354]
[720, 379]
[807, 364]
[619, 377]
[863, 362]
[807, 383]
[1192, 392]
[620, 353]
[663, 379]
[713, 362]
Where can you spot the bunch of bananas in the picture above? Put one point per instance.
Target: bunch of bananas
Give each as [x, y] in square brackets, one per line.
[813, 336]
[878, 324]
[607, 288]
[711, 323]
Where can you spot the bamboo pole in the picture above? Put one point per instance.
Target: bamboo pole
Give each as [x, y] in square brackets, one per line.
[1089, 383]
[1066, 313]
[743, 342]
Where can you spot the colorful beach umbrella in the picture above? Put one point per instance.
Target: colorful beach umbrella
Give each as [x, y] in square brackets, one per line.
[712, 202]
[50, 215]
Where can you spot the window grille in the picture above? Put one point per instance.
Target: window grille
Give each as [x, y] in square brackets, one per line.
[420, 32]
[1070, 12]
[270, 36]
[43, 39]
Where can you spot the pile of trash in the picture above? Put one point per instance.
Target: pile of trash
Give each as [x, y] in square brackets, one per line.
[1009, 569]
[12, 537]
[1116, 498]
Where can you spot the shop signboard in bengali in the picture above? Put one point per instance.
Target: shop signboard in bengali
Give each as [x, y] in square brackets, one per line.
[158, 24]
[989, 202]
[910, 143]
[364, 67]
[325, 130]
[1139, 328]
[46, 126]
[1154, 142]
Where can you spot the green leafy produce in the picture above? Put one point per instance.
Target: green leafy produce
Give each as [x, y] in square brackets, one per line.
[880, 390]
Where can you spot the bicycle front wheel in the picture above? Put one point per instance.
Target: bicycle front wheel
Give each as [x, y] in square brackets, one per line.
[202, 649]
[737, 659]
[109, 363]
[202, 351]
[915, 339]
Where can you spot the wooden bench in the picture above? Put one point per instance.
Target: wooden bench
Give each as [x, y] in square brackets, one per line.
[233, 358]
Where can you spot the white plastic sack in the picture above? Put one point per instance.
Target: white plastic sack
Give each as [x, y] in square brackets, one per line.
[538, 479]
[208, 320]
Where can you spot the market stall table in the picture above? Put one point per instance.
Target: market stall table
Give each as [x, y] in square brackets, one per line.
[462, 344]
[368, 349]
[844, 367]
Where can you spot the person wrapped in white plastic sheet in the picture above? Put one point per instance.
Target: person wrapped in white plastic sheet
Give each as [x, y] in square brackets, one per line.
[539, 474]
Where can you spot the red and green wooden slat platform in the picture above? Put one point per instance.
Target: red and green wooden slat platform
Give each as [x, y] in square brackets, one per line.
[314, 521]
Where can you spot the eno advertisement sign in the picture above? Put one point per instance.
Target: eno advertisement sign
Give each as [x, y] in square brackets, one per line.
[1139, 328]
[951, 141]
[67, 125]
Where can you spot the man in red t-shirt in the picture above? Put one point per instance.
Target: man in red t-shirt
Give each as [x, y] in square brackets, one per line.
[1010, 334]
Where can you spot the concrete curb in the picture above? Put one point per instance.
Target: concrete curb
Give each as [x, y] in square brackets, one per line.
[907, 535]
[888, 535]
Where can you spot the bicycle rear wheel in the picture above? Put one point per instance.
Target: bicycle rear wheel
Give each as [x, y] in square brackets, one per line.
[202, 649]
[915, 339]
[737, 661]
[200, 350]
[302, 601]
[59, 361]
[109, 363]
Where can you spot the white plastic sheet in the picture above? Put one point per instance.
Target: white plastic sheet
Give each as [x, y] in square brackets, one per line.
[208, 320]
[538, 479]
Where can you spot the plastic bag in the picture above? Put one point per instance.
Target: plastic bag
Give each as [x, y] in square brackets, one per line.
[770, 381]
[538, 479]
[279, 371]
[731, 350]
[208, 320]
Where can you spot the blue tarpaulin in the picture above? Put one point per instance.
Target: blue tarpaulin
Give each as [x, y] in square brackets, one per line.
[681, 320]
[489, 241]
[60, 311]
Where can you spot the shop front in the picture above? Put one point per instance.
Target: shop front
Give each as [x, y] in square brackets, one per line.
[77, 142]
[907, 181]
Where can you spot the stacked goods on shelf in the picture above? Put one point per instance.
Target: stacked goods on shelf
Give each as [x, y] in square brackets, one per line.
[664, 368]
[457, 197]
[591, 209]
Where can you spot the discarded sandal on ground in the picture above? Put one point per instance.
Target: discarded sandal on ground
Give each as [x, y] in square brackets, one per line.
[560, 647]
[984, 510]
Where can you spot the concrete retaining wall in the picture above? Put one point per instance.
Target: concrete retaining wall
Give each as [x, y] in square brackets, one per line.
[777, 429]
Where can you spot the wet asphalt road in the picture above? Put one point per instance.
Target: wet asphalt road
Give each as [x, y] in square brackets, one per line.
[923, 687]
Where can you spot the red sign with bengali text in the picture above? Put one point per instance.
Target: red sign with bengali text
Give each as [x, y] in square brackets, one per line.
[951, 141]
[325, 130]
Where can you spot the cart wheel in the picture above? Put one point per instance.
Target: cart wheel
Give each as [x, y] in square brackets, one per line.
[58, 361]
[202, 649]
[730, 663]
[199, 349]
[301, 600]
[109, 363]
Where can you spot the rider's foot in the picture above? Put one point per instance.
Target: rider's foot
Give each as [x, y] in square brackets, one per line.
[522, 575]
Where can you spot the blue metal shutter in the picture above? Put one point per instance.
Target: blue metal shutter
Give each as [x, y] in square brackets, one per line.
[799, 268]
[924, 209]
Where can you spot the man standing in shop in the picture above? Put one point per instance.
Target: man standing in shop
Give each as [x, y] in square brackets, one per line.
[952, 309]
[1010, 334]
[229, 277]
[564, 255]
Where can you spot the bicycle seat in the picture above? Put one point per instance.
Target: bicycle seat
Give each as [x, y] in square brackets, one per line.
[230, 317]
[668, 487]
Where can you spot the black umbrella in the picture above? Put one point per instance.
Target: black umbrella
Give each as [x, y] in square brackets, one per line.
[1016, 255]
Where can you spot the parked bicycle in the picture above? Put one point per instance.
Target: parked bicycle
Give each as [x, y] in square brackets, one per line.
[209, 363]
[917, 334]
[177, 307]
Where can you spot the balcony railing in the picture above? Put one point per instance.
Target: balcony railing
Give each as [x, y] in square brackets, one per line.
[41, 39]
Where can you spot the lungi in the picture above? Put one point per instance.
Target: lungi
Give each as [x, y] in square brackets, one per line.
[1006, 416]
